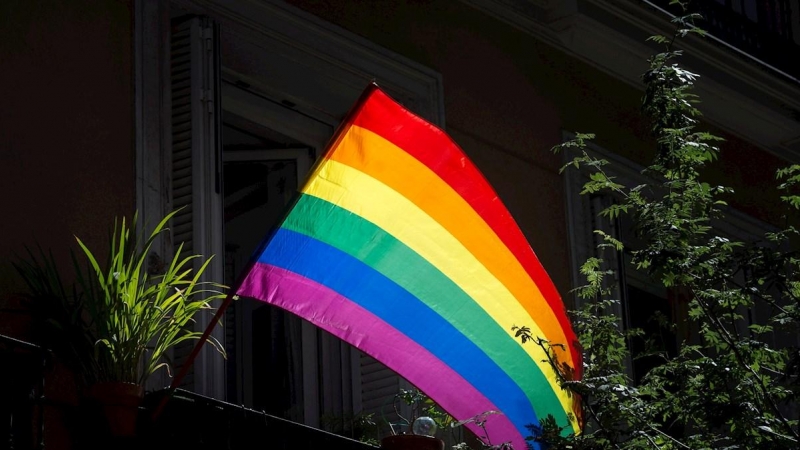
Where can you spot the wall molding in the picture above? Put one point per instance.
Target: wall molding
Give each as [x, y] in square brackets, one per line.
[739, 95]
[292, 36]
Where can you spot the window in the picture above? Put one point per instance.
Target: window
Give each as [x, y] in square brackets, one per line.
[261, 171]
[236, 100]
[640, 298]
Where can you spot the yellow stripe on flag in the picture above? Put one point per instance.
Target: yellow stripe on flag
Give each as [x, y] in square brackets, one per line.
[365, 196]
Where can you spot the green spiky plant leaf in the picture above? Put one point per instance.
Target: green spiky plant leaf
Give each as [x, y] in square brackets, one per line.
[118, 320]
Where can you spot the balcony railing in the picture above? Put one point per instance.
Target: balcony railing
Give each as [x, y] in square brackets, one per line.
[22, 369]
[188, 420]
[762, 29]
[195, 422]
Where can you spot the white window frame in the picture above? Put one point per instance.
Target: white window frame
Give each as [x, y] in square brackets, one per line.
[737, 224]
[348, 61]
[582, 239]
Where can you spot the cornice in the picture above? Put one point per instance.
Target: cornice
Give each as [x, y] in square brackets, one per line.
[739, 93]
[275, 27]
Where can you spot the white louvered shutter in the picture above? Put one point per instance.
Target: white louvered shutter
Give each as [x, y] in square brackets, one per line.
[379, 385]
[196, 178]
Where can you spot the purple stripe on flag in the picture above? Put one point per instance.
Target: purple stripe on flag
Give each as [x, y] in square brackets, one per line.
[336, 314]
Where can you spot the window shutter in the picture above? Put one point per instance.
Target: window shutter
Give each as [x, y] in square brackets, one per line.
[379, 384]
[196, 183]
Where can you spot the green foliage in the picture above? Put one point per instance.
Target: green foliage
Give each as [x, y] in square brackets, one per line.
[422, 405]
[117, 321]
[360, 426]
[57, 310]
[728, 385]
[791, 178]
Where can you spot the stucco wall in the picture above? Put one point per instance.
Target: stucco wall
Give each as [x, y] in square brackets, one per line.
[66, 125]
[66, 150]
[509, 97]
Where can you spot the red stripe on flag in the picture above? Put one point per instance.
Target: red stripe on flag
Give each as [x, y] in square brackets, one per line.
[434, 148]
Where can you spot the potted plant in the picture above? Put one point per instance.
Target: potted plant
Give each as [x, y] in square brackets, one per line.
[121, 317]
[426, 418]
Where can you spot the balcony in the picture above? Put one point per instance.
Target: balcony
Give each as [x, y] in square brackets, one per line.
[192, 421]
[21, 393]
[35, 415]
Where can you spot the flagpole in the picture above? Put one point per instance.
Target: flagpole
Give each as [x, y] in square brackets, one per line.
[232, 293]
[195, 351]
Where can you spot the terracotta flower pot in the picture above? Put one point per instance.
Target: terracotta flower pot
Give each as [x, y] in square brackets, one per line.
[411, 442]
[119, 403]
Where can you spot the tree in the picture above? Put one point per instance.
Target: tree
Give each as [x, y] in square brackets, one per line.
[727, 386]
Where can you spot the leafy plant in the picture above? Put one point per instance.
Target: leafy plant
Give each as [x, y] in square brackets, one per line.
[359, 426]
[728, 385]
[57, 310]
[423, 406]
[118, 320]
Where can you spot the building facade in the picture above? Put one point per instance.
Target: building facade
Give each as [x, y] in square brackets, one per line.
[221, 108]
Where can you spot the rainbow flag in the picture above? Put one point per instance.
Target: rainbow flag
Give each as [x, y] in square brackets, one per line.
[399, 246]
